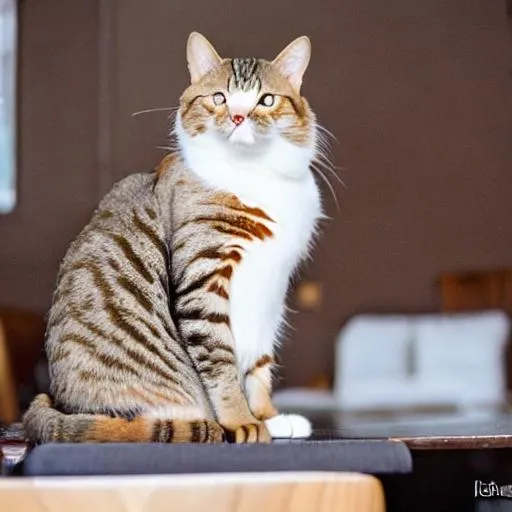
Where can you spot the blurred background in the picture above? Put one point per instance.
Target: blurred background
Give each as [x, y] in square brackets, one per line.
[419, 97]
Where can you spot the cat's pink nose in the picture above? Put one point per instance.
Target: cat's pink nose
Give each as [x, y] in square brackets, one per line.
[237, 119]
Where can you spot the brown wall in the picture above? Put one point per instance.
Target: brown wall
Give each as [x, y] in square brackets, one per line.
[57, 182]
[419, 95]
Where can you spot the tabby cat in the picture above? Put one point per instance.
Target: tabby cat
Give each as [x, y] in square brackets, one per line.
[169, 304]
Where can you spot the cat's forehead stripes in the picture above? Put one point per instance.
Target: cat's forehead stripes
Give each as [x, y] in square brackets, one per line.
[245, 74]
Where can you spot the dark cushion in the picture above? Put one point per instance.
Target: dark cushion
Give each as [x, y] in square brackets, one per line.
[374, 457]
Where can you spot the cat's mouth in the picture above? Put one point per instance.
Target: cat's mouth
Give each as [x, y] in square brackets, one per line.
[242, 134]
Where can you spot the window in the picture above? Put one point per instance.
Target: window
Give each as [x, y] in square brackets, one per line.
[8, 47]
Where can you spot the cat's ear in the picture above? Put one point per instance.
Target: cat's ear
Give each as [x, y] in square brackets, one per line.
[201, 56]
[293, 61]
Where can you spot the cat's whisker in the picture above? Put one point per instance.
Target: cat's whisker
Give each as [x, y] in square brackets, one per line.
[324, 156]
[173, 133]
[325, 132]
[325, 163]
[323, 149]
[325, 136]
[328, 183]
[168, 148]
[335, 176]
[324, 143]
[159, 109]
[174, 145]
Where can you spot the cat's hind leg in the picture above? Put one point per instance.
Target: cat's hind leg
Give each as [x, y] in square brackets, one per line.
[43, 424]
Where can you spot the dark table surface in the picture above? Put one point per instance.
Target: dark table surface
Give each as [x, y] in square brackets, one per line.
[421, 432]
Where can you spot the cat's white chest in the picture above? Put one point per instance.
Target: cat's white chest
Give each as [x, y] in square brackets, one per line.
[260, 281]
[279, 182]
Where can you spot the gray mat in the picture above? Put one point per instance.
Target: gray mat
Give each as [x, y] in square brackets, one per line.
[374, 457]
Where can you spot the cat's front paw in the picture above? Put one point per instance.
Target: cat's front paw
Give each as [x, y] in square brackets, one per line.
[289, 426]
[249, 433]
[264, 411]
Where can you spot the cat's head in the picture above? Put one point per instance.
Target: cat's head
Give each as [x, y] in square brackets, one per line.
[247, 105]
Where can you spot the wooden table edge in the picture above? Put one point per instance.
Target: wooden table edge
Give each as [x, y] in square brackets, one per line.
[475, 442]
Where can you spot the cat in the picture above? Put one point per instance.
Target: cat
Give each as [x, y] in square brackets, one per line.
[169, 304]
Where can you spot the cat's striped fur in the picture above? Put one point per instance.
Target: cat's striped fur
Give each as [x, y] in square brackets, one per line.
[146, 332]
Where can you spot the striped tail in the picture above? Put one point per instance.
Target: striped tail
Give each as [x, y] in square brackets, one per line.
[44, 424]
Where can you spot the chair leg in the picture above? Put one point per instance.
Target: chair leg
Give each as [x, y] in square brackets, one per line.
[9, 410]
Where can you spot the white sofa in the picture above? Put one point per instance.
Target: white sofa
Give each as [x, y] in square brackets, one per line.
[409, 361]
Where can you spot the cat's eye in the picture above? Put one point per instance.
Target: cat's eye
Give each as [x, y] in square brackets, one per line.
[219, 98]
[267, 100]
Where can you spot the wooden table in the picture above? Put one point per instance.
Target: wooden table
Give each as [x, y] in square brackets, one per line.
[256, 492]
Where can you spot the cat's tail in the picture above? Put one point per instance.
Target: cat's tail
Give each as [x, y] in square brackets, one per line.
[44, 424]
